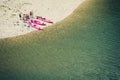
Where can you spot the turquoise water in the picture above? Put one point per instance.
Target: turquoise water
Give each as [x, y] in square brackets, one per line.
[85, 49]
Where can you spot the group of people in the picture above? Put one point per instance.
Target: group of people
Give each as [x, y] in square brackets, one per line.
[26, 17]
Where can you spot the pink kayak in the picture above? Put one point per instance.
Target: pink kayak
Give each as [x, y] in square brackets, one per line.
[29, 23]
[48, 21]
[34, 25]
[37, 27]
[38, 22]
[37, 17]
[44, 19]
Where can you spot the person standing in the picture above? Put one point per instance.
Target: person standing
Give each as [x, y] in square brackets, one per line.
[31, 14]
[20, 16]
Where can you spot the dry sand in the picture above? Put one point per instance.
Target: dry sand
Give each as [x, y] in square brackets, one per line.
[55, 10]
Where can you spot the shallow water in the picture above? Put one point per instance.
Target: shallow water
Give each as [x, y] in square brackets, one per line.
[87, 50]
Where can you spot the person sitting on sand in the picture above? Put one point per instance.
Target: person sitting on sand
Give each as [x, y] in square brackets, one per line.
[27, 17]
[24, 17]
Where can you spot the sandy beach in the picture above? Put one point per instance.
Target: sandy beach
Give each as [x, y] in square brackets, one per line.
[83, 46]
[10, 9]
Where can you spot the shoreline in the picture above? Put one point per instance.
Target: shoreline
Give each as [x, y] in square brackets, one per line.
[8, 29]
